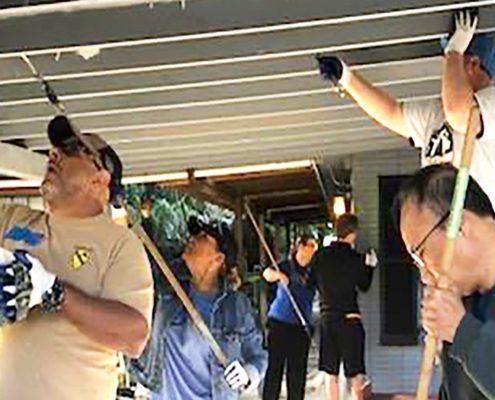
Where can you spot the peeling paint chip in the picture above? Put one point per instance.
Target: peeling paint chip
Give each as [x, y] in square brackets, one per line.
[88, 52]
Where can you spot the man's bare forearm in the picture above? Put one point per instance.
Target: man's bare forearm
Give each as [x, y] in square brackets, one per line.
[457, 93]
[110, 323]
[378, 104]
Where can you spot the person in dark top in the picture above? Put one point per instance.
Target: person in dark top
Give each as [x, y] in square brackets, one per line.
[340, 272]
[466, 330]
[288, 340]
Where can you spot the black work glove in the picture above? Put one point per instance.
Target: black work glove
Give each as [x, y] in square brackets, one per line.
[331, 68]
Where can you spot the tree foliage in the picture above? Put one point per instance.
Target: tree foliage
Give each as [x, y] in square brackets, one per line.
[170, 210]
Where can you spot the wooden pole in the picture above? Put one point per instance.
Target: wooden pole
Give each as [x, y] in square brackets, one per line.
[262, 261]
[456, 207]
[142, 235]
[261, 237]
[181, 294]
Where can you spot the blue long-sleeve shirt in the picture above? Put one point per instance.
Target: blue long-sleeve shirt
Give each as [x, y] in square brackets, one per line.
[302, 287]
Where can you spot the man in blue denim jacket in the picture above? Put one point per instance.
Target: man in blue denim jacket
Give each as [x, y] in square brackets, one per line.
[177, 362]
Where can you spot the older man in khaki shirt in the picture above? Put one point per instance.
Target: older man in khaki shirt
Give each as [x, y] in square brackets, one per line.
[99, 298]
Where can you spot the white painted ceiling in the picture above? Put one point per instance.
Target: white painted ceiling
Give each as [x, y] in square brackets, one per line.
[213, 83]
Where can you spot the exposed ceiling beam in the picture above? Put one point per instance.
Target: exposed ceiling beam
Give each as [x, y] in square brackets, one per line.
[160, 89]
[21, 163]
[296, 207]
[310, 215]
[206, 190]
[279, 193]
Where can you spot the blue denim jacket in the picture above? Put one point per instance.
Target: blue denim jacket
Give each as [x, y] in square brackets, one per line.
[233, 325]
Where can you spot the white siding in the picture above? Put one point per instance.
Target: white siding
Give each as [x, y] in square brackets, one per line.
[392, 368]
[35, 202]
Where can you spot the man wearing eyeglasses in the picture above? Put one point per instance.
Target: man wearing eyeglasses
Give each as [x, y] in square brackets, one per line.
[75, 288]
[437, 126]
[468, 355]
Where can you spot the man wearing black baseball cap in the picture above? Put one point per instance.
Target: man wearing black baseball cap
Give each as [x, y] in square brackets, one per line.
[177, 363]
[437, 126]
[63, 137]
[75, 288]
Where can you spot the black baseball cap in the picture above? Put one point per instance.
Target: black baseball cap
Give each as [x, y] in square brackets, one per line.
[222, 234]
[62, 136]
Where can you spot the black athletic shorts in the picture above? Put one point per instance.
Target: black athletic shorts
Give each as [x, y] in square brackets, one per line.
[342, 340]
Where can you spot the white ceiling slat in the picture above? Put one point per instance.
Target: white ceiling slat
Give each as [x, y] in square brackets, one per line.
[254, 84]
[72, 6]
[140, 142]
[206, 106]
[294, 140]
[252, 150]
[236, 121]
[228, 77]
[165, 88]
[262, 156]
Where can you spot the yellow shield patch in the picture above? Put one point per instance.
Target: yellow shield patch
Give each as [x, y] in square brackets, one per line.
[80, 257]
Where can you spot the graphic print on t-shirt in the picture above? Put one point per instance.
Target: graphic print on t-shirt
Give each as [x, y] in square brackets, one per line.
[80, 257]
[440, 145]
[19, 233]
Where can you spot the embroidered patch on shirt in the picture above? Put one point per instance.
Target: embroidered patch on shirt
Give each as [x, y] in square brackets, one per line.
[440, 145]
[20, 233]
[80, 257]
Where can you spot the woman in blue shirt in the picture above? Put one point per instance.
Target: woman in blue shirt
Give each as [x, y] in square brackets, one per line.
[288, 340]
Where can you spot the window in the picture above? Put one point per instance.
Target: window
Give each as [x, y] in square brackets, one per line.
[398, 277]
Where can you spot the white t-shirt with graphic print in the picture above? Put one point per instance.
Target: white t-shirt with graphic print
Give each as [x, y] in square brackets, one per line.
[440, 144]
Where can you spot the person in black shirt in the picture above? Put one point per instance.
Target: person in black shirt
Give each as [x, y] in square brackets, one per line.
[340, 271]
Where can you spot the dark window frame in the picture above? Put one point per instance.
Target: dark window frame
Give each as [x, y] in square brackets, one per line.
[399, 317]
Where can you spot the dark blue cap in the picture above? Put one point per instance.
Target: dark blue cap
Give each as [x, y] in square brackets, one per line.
[482, 47]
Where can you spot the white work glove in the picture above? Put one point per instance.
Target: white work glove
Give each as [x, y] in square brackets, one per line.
[25, 283]
[370, 258]
[237, 376]
[141, 393]
[465, 26]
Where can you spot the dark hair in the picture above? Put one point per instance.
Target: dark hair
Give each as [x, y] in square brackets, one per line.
[433, 187]
[346, 224]
[302, 240]
[222, 234]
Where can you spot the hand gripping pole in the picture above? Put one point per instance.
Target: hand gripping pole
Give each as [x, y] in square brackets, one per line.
[274, 265]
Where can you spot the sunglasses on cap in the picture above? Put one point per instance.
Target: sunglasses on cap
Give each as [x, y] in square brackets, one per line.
[74, 148]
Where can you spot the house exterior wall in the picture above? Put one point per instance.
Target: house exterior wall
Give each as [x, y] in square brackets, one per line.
[392, 368]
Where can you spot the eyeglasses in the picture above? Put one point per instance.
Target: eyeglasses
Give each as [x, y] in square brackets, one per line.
[415, 252]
